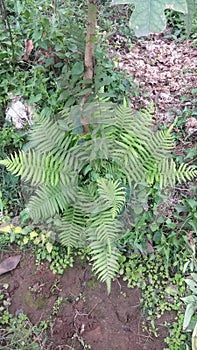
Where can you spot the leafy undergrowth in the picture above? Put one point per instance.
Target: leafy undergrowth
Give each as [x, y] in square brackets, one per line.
[159, 243]
[153, 260]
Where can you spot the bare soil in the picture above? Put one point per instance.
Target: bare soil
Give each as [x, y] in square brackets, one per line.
[87, 315]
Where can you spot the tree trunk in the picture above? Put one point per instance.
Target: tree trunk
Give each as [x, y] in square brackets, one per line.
[90, 40]
[89, 53]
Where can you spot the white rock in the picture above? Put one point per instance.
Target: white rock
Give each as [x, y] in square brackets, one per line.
[20, 114]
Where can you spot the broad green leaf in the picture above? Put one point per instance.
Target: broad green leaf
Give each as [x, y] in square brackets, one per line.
[191, 152]
[190, 299]
[192, 203]
[170, 290]
[49, 247]
[194, 338]
[12, 237]
[138, 209]
[193, 224]
[194, 276]
[149, 17]
[192, 285]
[78, 68]
[190, 310]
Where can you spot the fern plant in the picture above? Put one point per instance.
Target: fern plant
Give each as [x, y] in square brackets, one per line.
[82, 181]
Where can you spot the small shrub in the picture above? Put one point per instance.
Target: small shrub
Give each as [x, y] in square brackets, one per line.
[83, 179]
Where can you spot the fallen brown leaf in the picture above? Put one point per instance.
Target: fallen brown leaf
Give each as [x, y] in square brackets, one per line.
[28, 47]
[191, 126]
[9, 264]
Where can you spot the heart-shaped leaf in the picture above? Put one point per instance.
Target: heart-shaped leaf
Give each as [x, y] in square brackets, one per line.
[149, 16]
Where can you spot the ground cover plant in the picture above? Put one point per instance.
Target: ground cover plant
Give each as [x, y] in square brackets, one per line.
[100, 170]
[94, 150]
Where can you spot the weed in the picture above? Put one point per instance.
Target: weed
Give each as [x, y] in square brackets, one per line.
[153, 225]
[17, 332]
[181, 29]
[42, 243]
[52, 74]
[80, 340]
[175, 20]
[191, 302]
[186, 212]
[160, 293]
[176, 339]
[57, 43]
[151, 275]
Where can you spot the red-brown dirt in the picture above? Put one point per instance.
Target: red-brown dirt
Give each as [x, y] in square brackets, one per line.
[87, 315]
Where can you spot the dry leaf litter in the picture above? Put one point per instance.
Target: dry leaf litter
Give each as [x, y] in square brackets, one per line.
[165, 72]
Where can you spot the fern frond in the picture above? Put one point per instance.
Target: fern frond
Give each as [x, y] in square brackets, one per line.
[127, 120]
[103, 227]
[47, 202]
[105, 262]
[72, 228]
[100, 148]
[123, 116]
[51, 136]
[159, 144]
[144, 155]
[87, 151]
[60, 150]
[147, 144]
[112, 195]
[34, 167]
[162, 172]
[186, 173]
[96, 114]
[78, 155]
[166, 175]
[130, 160]
[99, 113]
[86, 198]
[45, 135]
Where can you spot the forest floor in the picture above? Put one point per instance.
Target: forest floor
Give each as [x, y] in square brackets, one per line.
[164, 72]
[85, 315]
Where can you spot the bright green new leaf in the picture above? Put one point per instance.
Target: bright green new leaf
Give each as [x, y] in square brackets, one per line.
[25, 240]
[33, 234]
[149, 16]
[49, 247]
